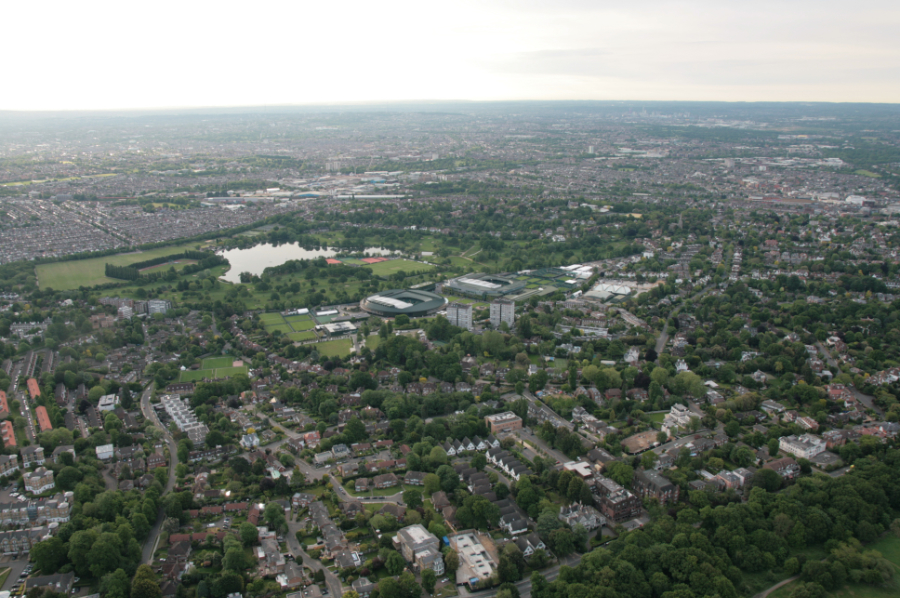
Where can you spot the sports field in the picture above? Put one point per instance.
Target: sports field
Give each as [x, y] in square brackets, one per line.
[268, 319]
[221, 372]
[339, 347]
[294, 319]
[64, 276]
[306, 335]
[211, 363]
[394, 266]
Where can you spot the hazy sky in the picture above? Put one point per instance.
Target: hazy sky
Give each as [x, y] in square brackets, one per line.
[97, 54]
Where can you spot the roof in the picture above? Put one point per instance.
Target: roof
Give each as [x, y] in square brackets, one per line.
[43, 418]
[403, 301]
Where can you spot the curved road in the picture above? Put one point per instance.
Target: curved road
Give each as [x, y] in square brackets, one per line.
[150, 414]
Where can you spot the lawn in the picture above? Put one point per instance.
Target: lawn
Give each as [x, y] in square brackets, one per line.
[212, 363]
[302, 325]
[306, 335]
[294, 319]
[284, 328]
[339, 347]
[268, 319]
[231, 371]
[194, 375]
[394, 266]
[64, 276]
[4, 575]
[372, 341]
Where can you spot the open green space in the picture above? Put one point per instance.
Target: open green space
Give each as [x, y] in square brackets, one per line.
[64, 276]
[394, 266]
[217, 362]
[231, 371]
[194, 375]
[338, 348]
[298, 337]
[222, 372]
[267, 319]
[283, 328]
[372, 341]
[302, 325]
[294, 319]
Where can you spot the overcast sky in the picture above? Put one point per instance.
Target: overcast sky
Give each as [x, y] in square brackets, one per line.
[98, 54]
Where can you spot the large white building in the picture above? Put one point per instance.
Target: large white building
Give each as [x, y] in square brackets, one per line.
[503, 310]
[421, 547]
[802, 447]
[679, 417]
[108, 403]
[460, 314]
[181, 413]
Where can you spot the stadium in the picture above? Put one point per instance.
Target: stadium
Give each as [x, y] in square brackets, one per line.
[483, 286]
[390, 304]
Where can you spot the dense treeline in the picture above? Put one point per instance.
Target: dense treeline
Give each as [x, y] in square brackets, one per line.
[711, 550]
[205, 261]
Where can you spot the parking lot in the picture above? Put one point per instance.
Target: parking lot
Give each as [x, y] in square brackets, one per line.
[18, 567]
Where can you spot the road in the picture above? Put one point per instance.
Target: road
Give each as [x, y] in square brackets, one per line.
[150, 414]
[331, 580]
[524, 586]
[868, 401]
[534, 441]
[664, 335]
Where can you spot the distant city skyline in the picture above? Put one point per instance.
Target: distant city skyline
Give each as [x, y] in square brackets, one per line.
[100, 55]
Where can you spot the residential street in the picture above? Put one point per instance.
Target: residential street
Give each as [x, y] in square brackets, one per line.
[150, 414]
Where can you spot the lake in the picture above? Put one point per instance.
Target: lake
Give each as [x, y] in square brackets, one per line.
[258, 258]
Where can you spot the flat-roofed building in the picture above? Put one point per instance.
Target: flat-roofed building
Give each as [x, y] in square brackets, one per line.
[475, 562]
[420, 547]
[460, 314]
[500, 422]
[503, 310]
[802, 447]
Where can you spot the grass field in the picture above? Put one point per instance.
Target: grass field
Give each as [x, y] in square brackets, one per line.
[267, 319]
[339, 347]
[211, 363]
[302, 325]
[306, 335]
[194, 375]
[394, 266]
[294, 319]
[372, 341]
[63, 276]
[284, 328]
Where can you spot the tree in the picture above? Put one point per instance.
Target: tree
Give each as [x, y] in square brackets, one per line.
[412, 498]
[432, 483]
[228, 582]
[144, 584]
[80, 545]
[562, 542]
[429, 580]
[249, 533]
[767, 479]
[395, 563]
[479, 461]
[274, 516]
[620, 472]
[50, 555]
[451, 561]
[733, 428]
[234, 559]
[106, 554]
[115, 584]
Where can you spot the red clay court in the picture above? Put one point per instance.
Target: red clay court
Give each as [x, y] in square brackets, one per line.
[374, 260]
[331, 261]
